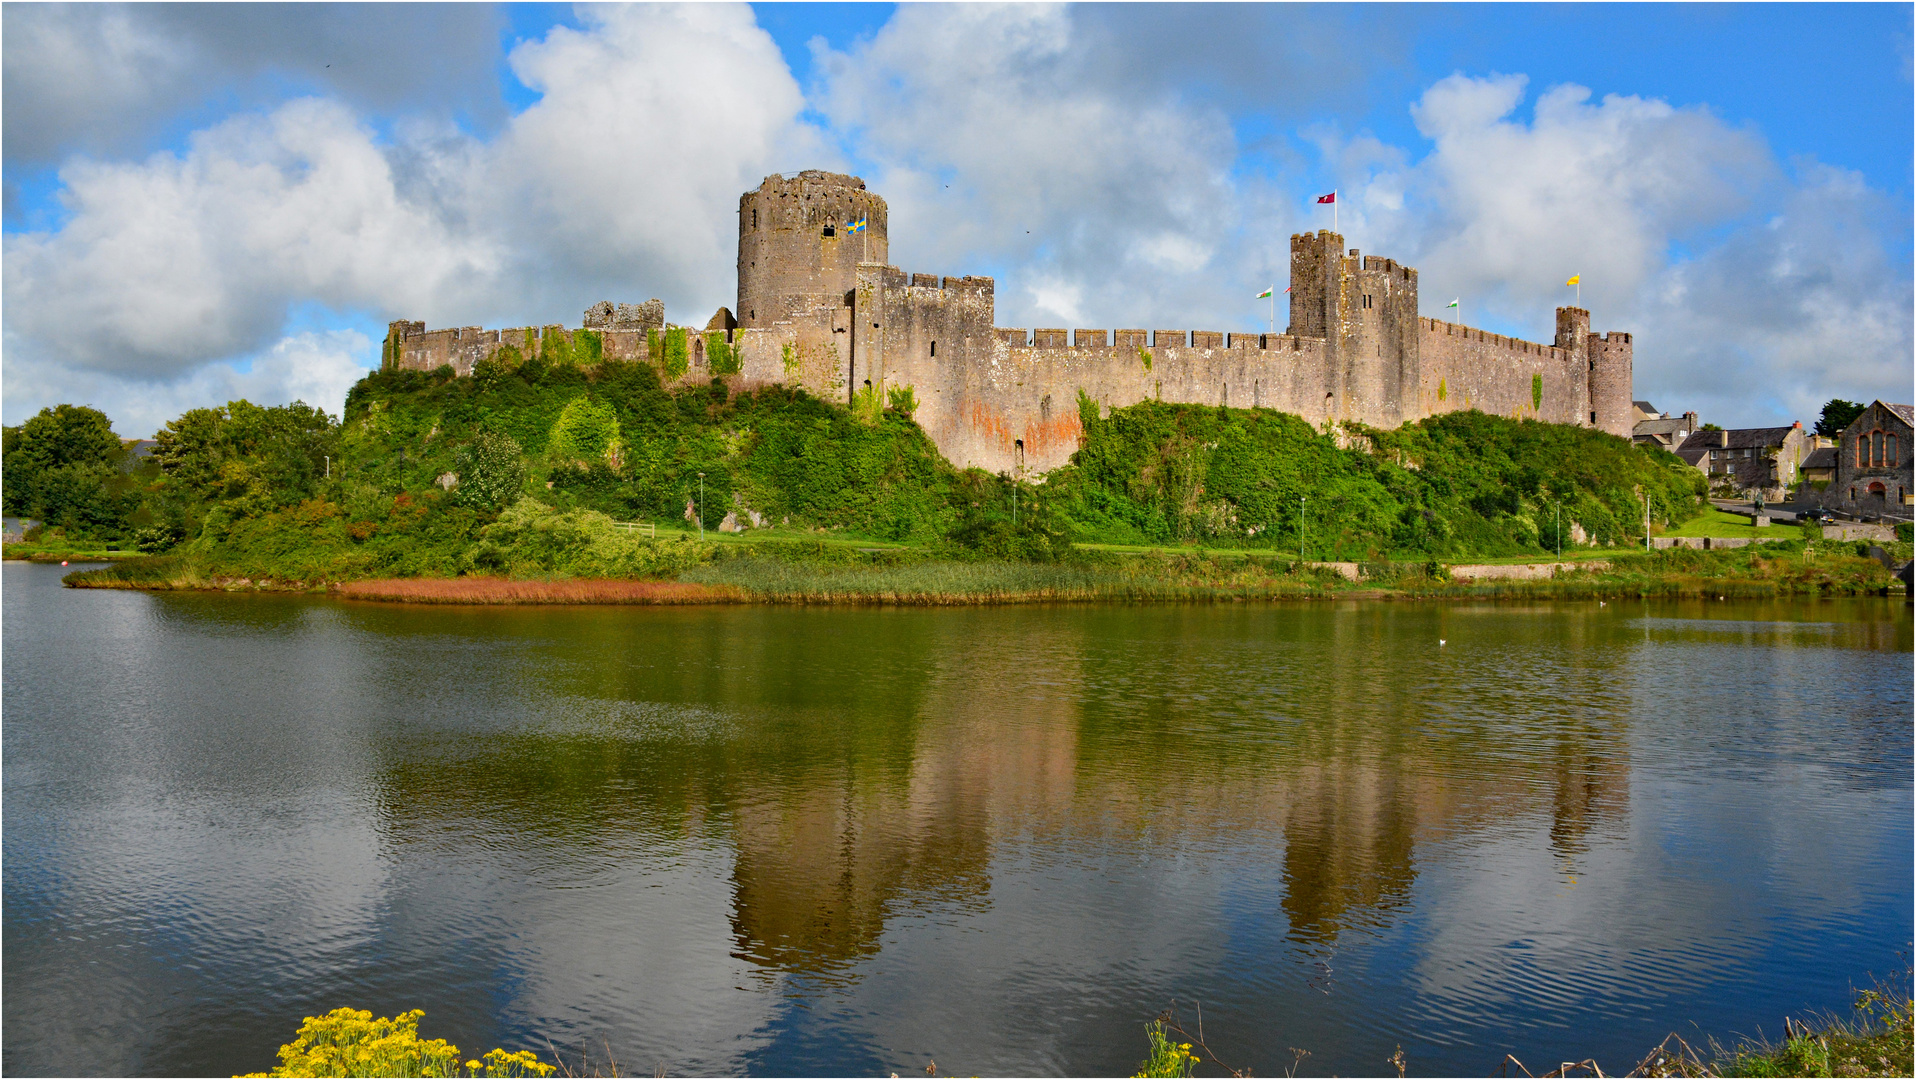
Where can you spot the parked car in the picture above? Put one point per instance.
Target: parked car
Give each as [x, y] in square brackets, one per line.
[1818, 516]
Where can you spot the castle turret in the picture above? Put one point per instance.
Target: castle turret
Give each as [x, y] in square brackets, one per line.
[800, 241]
[1611, 371]
[1365, 309]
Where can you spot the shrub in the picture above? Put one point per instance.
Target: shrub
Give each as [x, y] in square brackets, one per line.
[350, 1042]
[492, 471]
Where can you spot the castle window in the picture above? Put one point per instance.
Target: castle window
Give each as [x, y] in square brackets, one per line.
[829, 232]
[934, 348]
[754, 219]
[1593, 418]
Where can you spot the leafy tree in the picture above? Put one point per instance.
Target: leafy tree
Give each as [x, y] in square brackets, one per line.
[263, 457]
[1837, 415]
[586, 430]
[492, 471]
[59, 467]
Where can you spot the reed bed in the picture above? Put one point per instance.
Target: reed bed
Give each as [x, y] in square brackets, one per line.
[955, 583]
[481, 590]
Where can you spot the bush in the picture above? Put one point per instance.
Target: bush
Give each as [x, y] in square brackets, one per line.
[350, 1042]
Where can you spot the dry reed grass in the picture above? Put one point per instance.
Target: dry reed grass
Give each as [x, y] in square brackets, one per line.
[479, 590]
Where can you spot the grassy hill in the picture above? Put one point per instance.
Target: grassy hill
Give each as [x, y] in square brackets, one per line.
[524, 468]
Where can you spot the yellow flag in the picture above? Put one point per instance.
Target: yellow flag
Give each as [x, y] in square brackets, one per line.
[1578, 280]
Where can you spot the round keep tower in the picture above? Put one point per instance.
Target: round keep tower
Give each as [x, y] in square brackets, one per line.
[800, 243]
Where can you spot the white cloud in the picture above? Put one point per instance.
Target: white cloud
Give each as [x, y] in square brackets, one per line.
[179, 259]
[1035, 143]
[628, 171]
[620, 182]
[109, 77]
[1754, 296]
[1002, 139]
[316, 367]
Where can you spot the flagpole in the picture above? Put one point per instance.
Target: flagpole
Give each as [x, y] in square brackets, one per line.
[1333, 209]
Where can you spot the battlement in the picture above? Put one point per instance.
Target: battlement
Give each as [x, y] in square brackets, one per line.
[1129, 341]
[820, 306]
[604, 316]
[1471, 333]
[1374, 264]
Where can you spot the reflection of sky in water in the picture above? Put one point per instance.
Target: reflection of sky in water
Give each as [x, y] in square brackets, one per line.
[796, 841]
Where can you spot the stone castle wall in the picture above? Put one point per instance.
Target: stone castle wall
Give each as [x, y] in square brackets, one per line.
[820, 308]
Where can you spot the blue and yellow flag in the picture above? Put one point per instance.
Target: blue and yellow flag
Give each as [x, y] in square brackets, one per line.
[855, 226]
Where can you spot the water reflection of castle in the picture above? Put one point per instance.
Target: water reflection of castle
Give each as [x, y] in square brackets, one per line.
[897, 795]
[821, 867]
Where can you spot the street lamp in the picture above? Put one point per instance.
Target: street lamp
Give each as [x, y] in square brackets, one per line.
[1300, 528]
[701, 506]
[1560, 531]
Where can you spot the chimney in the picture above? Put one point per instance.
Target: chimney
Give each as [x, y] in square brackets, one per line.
[1723, 437]
[1797, 424]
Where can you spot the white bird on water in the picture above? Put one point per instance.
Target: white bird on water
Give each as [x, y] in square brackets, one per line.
[1440, 642]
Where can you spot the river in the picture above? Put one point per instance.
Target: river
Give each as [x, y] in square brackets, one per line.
[784, 840]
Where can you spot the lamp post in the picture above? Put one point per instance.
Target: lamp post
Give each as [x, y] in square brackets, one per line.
[1560, 530]
[701, 506]
[1300, 528]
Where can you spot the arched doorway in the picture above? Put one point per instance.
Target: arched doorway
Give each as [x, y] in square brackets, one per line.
[1877, 497]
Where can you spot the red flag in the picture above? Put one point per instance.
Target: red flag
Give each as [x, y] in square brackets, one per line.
[1331, 198]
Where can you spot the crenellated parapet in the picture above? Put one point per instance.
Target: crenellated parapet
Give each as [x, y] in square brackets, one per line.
[819, 306]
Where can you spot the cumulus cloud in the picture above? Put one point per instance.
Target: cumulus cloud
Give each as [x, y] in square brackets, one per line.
[651, 122]
[171, 261]
[621, 177]
[1079, 154]
[314, 366]
[1002, 141]
[101, 78]
[1743, 282]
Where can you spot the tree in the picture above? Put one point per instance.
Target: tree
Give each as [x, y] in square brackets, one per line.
[586, 430]
[492, 471]
[56, 466]
[275, 455]
[1837, 415]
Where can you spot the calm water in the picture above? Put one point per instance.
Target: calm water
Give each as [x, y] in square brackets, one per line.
[853, 841]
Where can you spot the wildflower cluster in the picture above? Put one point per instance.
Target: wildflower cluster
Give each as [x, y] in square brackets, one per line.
[350, 1042]
[1167, 1058]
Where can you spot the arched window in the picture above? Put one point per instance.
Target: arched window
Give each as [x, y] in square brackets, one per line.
[1889, 450]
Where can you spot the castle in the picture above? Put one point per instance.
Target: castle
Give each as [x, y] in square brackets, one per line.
[819, 307]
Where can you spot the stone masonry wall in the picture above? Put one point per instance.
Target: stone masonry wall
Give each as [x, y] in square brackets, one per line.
[819, 308]
[1466, 368]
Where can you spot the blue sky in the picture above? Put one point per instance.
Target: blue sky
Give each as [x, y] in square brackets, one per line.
[221, 201]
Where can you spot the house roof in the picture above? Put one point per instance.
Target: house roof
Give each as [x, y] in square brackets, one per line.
[1823, 457]
[1645, 406]
[1739, 438]
[1905, 413]
[1691, 455]
[1662, 425]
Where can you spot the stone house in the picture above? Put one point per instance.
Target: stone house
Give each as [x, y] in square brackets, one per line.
[1661, 430]
[1745, 461]
[1873, 464]
[1819, 466]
